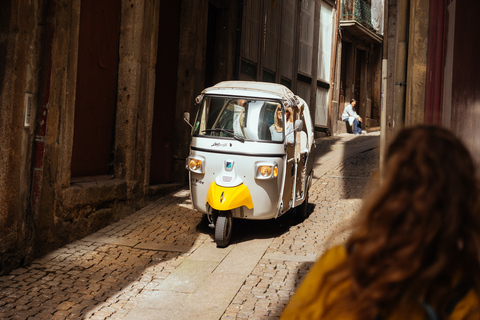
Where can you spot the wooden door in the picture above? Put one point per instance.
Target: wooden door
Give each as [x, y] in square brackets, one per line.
[359, 58]
[465, 95]
[96, 94]
[161, 164]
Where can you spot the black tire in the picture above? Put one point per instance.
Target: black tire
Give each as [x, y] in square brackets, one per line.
[301, 210]
[223, 229]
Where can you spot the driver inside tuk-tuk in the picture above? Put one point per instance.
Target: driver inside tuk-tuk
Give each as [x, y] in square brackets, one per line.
[276, 129]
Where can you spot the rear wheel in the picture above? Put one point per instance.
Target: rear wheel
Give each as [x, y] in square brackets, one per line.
[301, 210]
[223, 229]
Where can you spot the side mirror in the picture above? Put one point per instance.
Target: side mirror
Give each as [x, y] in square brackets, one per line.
[298, 125]
[186, 117]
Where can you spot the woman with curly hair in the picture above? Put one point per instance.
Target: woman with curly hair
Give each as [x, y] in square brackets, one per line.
[415, 252]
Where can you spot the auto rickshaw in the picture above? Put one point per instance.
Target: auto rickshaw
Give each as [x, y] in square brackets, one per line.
[251, 154]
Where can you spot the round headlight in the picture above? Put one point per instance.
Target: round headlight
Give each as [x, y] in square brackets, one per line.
[194, 164]
[265, 171]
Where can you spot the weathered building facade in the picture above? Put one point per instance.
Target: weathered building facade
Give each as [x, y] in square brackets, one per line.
[93, 92]
[291, 42]
[431, 69]
[77, 88]
[358, 63]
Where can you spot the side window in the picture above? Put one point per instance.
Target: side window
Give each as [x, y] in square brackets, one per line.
[303, 134]
[266, 122]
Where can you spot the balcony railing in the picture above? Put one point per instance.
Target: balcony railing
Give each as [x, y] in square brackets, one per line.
[358, 10]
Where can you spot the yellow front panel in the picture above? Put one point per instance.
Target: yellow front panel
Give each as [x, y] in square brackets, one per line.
[222, 198]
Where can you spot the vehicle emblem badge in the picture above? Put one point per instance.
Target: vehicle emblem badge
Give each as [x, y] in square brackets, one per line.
[228, 165]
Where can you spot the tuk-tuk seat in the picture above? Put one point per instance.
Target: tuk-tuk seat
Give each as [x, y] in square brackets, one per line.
[264, 131]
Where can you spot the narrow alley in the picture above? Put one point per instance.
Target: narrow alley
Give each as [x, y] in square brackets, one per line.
[162, 261]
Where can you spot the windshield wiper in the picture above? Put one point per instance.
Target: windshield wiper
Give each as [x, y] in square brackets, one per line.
[236, 136]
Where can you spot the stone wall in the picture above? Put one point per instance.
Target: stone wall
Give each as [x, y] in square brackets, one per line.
[41, 207]
[69, 209]
[21, 27]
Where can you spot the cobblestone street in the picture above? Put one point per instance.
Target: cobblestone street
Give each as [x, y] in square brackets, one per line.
[162, 262]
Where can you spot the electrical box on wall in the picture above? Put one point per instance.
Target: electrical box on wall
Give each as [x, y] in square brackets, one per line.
[28, 108]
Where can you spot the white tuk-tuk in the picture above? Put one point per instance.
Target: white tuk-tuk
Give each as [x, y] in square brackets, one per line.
[251, 154]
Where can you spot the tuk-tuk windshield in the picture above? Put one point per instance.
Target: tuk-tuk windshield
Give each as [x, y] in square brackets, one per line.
[240, 118]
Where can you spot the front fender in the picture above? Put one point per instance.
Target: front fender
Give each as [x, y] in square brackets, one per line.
[228, 198]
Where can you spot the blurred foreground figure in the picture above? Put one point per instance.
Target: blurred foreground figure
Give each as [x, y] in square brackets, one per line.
[415, 252]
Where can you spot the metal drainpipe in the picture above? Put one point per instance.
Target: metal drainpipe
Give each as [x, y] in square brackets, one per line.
[401, 65]
[383, 115]
[42, 113]
[400, 75]
[333, 69]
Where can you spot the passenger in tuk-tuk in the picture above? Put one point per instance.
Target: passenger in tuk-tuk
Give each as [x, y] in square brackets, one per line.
[276, 129]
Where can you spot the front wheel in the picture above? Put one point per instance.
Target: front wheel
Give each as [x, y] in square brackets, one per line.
[223, 229]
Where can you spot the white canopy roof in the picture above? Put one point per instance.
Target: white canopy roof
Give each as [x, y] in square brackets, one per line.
[254, 88]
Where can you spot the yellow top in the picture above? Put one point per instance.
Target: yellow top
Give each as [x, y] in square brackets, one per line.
[312, 286]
